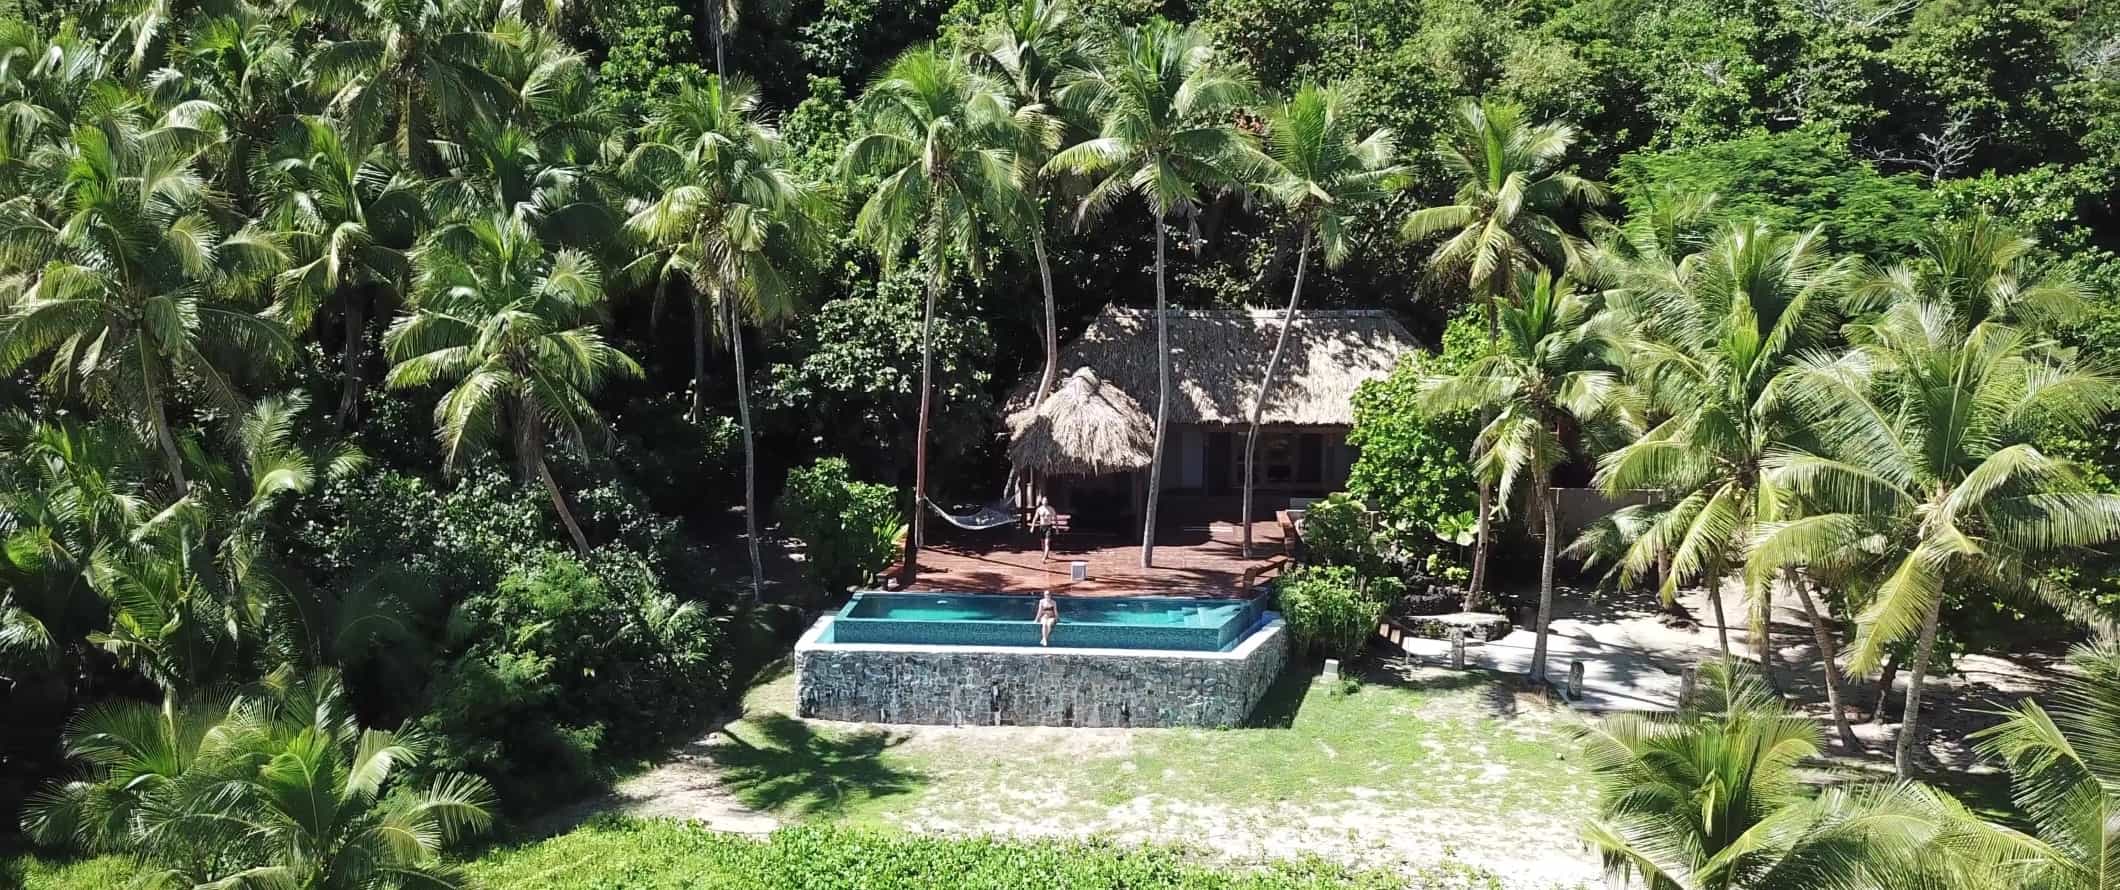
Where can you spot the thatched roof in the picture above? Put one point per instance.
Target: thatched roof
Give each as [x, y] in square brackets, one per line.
[1085, 428]
[1217, 357]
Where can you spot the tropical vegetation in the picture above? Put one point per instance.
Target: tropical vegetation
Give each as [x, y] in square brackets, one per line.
[368, 476]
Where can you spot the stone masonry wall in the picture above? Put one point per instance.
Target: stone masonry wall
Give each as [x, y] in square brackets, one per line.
[1043, 687]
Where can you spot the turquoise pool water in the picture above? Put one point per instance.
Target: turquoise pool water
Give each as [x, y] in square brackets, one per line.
[1158, 622]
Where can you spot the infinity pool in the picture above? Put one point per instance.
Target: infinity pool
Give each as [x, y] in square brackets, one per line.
[1144, 622]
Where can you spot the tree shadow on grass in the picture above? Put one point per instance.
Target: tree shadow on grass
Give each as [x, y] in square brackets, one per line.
[778, 764]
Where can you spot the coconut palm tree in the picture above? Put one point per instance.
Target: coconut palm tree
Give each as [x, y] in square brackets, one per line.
[941, 140]
[1554, 371]
[1165, 109]
[727, 215]
[128, 287]
[2065, 779]
[1323, 174]
[511, 328]
[401, 72]
[1982, 270]
[1922, 473]
[1712, 331]
[348, 216]
[279, 787]
[1512, 195]
[243, 59]
[1717, 797]
[1032, 46]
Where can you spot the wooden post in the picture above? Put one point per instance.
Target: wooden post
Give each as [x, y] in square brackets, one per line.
[1575, 680]
[1688, 684]
[1457, 648]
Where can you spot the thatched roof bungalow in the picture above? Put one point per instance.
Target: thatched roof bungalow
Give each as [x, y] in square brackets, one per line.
[1217, 357]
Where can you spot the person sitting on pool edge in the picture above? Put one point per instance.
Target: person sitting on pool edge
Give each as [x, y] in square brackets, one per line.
[1048, 615]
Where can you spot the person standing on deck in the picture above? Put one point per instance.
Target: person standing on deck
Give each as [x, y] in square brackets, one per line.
[1042, 521]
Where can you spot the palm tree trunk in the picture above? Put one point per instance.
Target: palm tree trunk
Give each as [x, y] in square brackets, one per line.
[559, 503]
[1478, 583]
[920, 435]
[1548, 507]
[1722, 624]
[350, 354]
[1052, 325]
[158, 418]
[1885, 679]
[750, 464]
[1910, 715]
[714, 11]
[1155, 465]
[1823, 637]
[699, 359]
[1258, 408]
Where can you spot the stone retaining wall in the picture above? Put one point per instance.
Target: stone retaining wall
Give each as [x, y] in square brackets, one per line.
[1017, 685]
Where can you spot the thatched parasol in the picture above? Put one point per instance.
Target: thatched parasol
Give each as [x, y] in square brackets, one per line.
[1085, 428]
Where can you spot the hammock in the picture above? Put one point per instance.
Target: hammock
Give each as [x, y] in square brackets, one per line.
[991, 516]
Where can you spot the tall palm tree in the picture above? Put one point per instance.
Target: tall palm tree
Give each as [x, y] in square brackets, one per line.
[1717, 797]
[941, 140]
[1165, 109]
[400, 72]
[1032, 46]
[1922, 473]
[2065, 779]
[348, 216]
[1323, 174]
[1554, 371]
[1512, 195]
[1982, 270]
[1713, 330]
[128, 287]
[511, 328]
[242, 58]
[729, 216]
[280, 787]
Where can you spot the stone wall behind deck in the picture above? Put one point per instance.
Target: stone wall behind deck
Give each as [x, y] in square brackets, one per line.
[1014, 685]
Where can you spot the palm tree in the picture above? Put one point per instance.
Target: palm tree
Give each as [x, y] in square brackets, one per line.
[404, 71]
[1165, 109]
[1982, 270]
[1712, 332]
[1716, 797]
[941, 139]
[1032, 46]
[349, 217]
[1924, 477]
[728, 215]
[128, 287]
[1511, 193]
[1554, 369]
[278, 788]
[511, 328]
[2065, 774]
[243, 59]
[1322, 176]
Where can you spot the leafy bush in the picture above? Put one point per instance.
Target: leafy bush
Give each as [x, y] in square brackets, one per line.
[667, 855]
[565, 664]
[1414, 469]
[1333, 607]
[848, 529]
[1339, 531]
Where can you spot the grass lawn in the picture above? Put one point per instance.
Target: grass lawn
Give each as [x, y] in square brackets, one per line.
[31, 871]
[1405, 768]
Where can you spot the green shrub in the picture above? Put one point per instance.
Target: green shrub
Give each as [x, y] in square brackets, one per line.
[1414, 469]
[1339, 531]
[624, 854]
[1331, 607]
[848, 529]
[564, 665]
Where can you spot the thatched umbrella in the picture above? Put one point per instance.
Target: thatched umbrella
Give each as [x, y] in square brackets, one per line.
[1085, 428]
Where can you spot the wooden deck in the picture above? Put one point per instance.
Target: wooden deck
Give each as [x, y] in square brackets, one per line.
[1204, 559]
